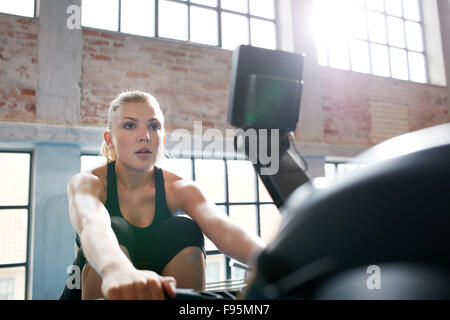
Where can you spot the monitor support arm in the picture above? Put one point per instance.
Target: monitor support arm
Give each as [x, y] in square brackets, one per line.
[289, 175]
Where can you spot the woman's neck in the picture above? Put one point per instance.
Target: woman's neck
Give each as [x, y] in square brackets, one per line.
[131, 179]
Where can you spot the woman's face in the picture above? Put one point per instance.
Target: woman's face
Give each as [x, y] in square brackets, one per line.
[137, 134]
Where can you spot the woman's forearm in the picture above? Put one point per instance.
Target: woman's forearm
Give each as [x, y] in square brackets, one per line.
[101, 248]
[241, 245]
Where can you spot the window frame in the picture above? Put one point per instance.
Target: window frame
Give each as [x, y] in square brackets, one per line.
[35, 14]
[369, 42]
[219, 10]
[27, 207]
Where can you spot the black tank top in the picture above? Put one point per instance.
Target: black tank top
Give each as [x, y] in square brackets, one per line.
[142, 236]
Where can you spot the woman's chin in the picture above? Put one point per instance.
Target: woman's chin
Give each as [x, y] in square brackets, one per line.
[139, 163]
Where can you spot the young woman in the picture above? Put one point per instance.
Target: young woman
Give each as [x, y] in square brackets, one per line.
[131, 246]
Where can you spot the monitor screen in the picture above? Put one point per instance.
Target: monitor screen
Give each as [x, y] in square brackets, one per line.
[265, 88]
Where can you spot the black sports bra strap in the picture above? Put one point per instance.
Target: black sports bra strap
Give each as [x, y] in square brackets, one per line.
[112, 201]
[161, 194]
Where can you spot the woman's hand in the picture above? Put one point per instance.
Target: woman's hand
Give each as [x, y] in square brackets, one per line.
[129, 283]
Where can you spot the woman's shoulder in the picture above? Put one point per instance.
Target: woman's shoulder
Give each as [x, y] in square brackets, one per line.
[179, 186]
[93, 180]
[171, 178]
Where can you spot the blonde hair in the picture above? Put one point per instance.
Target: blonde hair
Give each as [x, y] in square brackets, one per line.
[124, 97]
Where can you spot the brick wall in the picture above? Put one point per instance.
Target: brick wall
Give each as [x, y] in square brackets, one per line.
[364, 109]
[18, 68]
[190, 82]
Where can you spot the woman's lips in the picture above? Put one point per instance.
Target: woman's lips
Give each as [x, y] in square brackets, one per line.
[144, 150]
[143, 153]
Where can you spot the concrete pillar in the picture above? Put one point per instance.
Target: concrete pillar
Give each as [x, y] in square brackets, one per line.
[59, 64]
[53, 236]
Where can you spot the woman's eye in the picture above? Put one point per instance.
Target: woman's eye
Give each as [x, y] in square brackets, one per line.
[129, 125]
[154, 127]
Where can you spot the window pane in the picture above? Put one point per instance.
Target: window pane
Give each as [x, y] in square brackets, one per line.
[338, 54]
[399, 64]
[138, 17]
[209, 245]
[396, 32]
[264, 195]
[245, 216]
[357, 23]
[237, 273]
[234, 30]
[376, 5]
[18, 7]
[358, 3]
[180, 167]
[417, 70]
[215, 268]
[360, 56]
[91, 162]
[211, 3]
[101, 14]
[210, 176]
[262, 8]
[270, 219]
[14, 178]
[263, 34]
[377, 27]
[330, 171]
[394, 7]
[322, 58]
[235, 5]
[169, 13]
[411, 10]
[13, 236]
[204, 26]
[12, 283]
[414, 36]
[380, 60]
[241, 181]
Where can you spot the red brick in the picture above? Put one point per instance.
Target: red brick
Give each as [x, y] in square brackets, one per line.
[112, 36]
[100, 57]
[118, 44]
[98, 42]
[30, 107]
[214, 86]
[137, 75]
[175, 53]
[178, 69]
[27, 92]
[92, 33]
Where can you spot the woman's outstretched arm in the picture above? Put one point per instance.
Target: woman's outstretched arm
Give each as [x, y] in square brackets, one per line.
[228, 236]
[91, 220]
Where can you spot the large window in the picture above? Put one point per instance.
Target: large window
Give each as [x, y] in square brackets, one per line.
[381, 37]
[14, 224]
[18, 7]
[223, 23]
[238, 192]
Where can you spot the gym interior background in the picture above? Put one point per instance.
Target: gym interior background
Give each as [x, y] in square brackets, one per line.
[373, 69]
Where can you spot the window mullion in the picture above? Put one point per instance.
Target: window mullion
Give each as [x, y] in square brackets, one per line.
[156, 18]
[387, 39]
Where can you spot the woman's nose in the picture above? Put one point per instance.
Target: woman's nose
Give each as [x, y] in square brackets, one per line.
[144, 137]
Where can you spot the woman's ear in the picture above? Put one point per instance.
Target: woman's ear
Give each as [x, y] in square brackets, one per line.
[108, 138]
